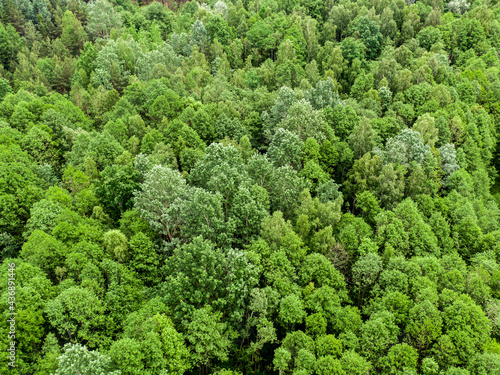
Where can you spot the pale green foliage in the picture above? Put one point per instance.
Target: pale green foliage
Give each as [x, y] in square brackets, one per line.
[362, 138]
[221, 172]
[291, 310]
[209, 337]
[282, 358]
[425, 126]
[448, 159]
[405, 147]
[199, 37]
[102, 17]
[304, 120]
[218, 160]
[179, 42]
[114, 61]
[323, 95]
[458, 6]
[284, 189]
[116, 244]
[201, 214]
[285, 149]
[286, 97]
[77, 359]
[156, 201]
[163, 56]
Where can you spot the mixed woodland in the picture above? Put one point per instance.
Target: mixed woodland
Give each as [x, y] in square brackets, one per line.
[289, 187]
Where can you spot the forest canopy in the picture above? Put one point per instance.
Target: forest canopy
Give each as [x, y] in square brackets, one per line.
[290, 187]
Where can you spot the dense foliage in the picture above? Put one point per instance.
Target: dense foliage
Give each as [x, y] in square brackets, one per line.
[251, 187]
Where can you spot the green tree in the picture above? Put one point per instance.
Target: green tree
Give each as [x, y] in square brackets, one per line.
[323, 95]
[126, 355]
[425, 325]
[44, 251]
[353, 363]
[154, 202]
[281, 359]
[73, 34]
[305, 121]
[102, 17]
[401, 357]
[390, 185]
[406, 147]
[425, 126]
[219, 279]
[291, 310]
[218, 28]
[209, 337]
[284, 189]
[78, 359]
[285, 149]
[76, 314]
[143, 258]
[10, 45]
[250, 207]
[199, 37]
[329, 365]
[116, 244]
[116, 188]
[313, 173]
[365, 273]
[362, 138]
[378, 334]
[344, 119]
[19, 190]
[201, 214]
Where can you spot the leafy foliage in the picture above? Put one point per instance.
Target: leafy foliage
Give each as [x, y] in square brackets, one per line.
[249, 187]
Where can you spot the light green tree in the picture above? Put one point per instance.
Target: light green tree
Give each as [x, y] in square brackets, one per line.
[77, 359]
[210, 338]
[102, 17]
